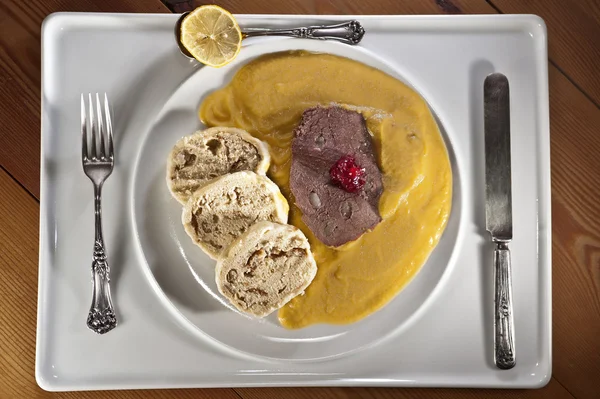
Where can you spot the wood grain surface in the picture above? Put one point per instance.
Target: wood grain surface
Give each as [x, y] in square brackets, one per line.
[574, 52]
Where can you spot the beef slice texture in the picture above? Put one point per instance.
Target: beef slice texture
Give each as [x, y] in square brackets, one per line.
[324, 135]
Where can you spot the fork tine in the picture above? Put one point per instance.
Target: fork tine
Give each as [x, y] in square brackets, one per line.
[111, 151]
[93, 128]
[101, 150]
[84, 146]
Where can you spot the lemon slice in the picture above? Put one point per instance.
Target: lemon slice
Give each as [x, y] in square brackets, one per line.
[211, 35]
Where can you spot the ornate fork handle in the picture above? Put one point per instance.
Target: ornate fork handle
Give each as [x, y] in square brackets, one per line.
[101, 318]
[350, 32]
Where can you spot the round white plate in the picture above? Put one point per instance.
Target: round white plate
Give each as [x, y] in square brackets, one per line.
[183, 275]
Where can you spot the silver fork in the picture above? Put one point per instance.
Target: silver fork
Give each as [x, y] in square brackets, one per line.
[98, 162]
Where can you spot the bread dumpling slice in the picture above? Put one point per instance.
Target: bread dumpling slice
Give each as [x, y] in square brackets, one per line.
[265, 268]
[219, 212]
[207, 154]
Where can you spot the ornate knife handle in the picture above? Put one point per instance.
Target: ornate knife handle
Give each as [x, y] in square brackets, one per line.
[101, 318]
[504, 350]
[350, 32]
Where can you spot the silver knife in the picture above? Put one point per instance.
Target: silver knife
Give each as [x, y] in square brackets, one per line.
[498, 211]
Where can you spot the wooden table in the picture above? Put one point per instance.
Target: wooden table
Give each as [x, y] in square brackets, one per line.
[574, 56]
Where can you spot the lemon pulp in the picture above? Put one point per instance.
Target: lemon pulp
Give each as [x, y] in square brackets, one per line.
[211, 35]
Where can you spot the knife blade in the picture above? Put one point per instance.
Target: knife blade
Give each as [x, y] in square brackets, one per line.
[498, 210]
[498, 205]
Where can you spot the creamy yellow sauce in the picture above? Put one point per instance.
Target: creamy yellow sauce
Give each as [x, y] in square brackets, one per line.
[267, 98]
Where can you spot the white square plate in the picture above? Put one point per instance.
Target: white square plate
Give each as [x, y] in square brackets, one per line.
[436, 332]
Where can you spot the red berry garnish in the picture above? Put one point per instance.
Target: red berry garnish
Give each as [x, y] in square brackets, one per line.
[347, 174]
